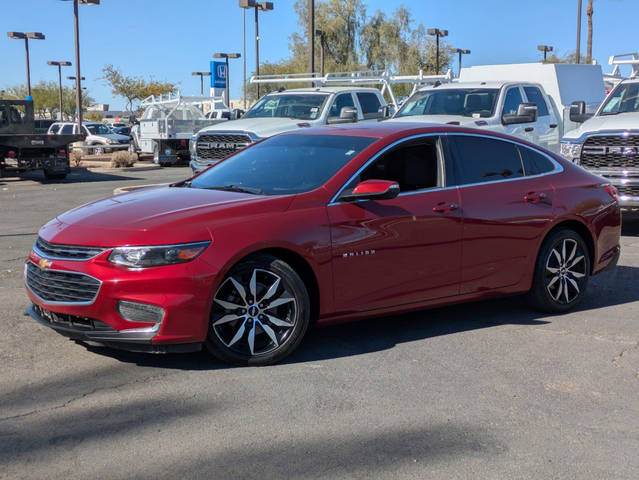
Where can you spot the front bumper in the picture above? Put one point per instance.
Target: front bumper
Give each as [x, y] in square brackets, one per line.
[199, 166]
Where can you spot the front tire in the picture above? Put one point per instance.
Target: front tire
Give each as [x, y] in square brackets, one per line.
[260, 314]
[561, 274]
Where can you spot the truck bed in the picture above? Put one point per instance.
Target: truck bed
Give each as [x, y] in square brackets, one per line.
[27, 141]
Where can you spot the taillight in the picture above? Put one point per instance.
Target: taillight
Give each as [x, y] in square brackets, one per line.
[183, 143]
[62, 153]
[11, 154]
[613, 192]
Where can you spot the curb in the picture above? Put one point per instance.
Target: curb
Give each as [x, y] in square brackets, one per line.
[125, 169]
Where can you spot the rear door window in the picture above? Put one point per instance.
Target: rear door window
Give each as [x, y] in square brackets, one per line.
[342, 100]
[67, 130]
[535, 96]
[54, 129]
[482, 159]
[370, 104]
[534, 162]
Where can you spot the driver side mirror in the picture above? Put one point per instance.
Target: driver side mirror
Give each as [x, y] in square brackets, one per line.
[236, 113]
[526, 113]
[384, 112]
[578, 112]
[348, 114]
[372, 190]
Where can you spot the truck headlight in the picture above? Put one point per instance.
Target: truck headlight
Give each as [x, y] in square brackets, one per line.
[193, 145]
[109, 141]
[155, 256]
[571, 150]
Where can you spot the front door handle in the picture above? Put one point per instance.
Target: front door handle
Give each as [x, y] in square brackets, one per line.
[553, 125]
[534, 197]
[445, 207]
[529, 129]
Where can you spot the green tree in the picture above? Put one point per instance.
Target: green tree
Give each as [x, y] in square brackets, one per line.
[133, 88]
[46, 98]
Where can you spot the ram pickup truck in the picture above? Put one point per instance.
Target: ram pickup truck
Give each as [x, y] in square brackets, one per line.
[21, 149]
[283, 111]
[607, 143]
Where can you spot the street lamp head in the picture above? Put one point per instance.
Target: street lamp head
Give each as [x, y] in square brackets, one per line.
[544, 48]
[204, 74]
[59, 64]
[437, 32]
[463, 52]
[17, 35]
[86, 2]
[247, 3]
[226, 55]
[265, 6]
[35, 35]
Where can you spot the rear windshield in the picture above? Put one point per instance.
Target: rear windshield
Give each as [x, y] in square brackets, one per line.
[289, 105]
[465, 102]
[284, 164]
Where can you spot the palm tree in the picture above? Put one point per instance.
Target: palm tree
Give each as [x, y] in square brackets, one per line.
[589, 12]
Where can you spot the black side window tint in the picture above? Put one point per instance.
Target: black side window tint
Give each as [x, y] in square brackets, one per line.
[512, 101]
[67, 130]
[414, 167]
[370, 104]
[535, 163]
[480, 160]
[343, 100]
[55, 128]
[534, 95]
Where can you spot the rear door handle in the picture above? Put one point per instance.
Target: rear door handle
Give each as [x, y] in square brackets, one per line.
[534, 197]
[445, 207]
[529, 129]
[553, 125]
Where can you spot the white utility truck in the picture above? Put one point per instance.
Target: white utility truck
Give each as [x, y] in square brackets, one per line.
[168, 122]
[341, 97]
[530, 100]
[607, 143]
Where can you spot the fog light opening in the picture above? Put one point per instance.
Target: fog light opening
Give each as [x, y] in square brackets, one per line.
[141, 312]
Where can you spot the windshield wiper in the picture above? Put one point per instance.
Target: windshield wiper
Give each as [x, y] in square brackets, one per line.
[235, 188]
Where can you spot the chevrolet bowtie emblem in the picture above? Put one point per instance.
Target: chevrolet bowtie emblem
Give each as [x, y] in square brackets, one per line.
[44, 263]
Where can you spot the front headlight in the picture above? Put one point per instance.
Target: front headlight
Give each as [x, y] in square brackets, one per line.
[193, 145]
[571, 151]
[109, 141]
[157, 256]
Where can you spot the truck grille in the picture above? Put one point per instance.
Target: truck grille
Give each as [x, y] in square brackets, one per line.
[61, 287]
[217, 147]
[72, 321]
[611, 151]
[629, 190]
[65, 252]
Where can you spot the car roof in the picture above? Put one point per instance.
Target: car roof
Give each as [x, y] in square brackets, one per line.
[329, 90]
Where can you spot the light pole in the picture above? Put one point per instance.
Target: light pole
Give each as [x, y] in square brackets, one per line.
[26, 37]
[264, 6]
[322, 35]
[578, 50]
[436, 32]
[202, 75]
[76, 26]
[311, 35]
[226, 57]
[244, 57]
[545, 49]
[59, 65]
[461, 52]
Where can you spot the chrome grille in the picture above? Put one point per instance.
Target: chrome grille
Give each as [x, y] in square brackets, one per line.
[65, 252]
[55, 286]
[630, 190]
[611, 151]
[217, 147]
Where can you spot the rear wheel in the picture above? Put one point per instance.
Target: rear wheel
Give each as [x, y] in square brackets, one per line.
[99, 150]
[561, 272]
[260, 313]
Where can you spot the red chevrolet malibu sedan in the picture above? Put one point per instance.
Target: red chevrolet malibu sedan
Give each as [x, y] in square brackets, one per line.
[323, 225]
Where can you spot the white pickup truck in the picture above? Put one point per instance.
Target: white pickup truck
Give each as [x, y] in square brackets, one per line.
[283, 111]
[607, 143]
[530, 100]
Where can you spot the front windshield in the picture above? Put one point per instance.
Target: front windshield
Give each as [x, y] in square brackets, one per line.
[99, 129]
[623, 99]
[465, 102]
[303, 106]
[284, 164]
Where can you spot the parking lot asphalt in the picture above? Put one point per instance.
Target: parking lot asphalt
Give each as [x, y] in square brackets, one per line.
[487, 390]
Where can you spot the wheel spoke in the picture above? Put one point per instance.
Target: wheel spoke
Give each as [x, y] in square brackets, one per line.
[227, 319]
[574, 284]
[552, 270]
[277, 322]
[576, 274]
[575, 262]
[228, 305]
[566, 290]
[557, 256]
[253, 284]
[280, 301]
[251, 339]
[573, 253]
[553, 281]
[238, 335]
[559, 292]
[271, 291]
[269, 331]
[563, 252]
[240, 289]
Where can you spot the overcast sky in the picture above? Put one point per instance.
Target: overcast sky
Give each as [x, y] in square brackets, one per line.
[169, 39]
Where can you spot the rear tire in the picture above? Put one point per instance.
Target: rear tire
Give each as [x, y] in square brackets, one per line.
[561, 273]
[260, 313]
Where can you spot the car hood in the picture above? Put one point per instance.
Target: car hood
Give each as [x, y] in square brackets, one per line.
[605, 123]
[261, 127]
[157, 216]
[441, 119]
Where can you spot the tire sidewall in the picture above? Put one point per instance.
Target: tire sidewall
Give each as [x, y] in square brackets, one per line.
[295, 283]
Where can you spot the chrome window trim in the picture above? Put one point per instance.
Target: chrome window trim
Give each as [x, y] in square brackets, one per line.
[67, 259]
[558, 167]
[47, 302]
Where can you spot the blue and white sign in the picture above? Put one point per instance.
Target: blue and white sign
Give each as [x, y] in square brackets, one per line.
[218, 74]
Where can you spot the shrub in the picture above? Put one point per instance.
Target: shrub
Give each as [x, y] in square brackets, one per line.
[76, 157]
[123, 159]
